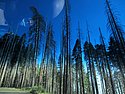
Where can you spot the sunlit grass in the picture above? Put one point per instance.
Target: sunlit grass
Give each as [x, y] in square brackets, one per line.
[25, 90]
[11, 90]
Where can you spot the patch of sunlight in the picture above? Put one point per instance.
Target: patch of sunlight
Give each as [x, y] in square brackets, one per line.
[10, 90]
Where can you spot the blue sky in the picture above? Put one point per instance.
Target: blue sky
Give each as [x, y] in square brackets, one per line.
[92, 11]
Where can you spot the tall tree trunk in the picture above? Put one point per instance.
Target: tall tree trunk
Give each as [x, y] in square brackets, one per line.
[107, 63]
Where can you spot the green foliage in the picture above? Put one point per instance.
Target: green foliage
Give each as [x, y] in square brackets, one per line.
[37, 90]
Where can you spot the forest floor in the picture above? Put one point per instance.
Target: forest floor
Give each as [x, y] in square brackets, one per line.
[12, 91]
